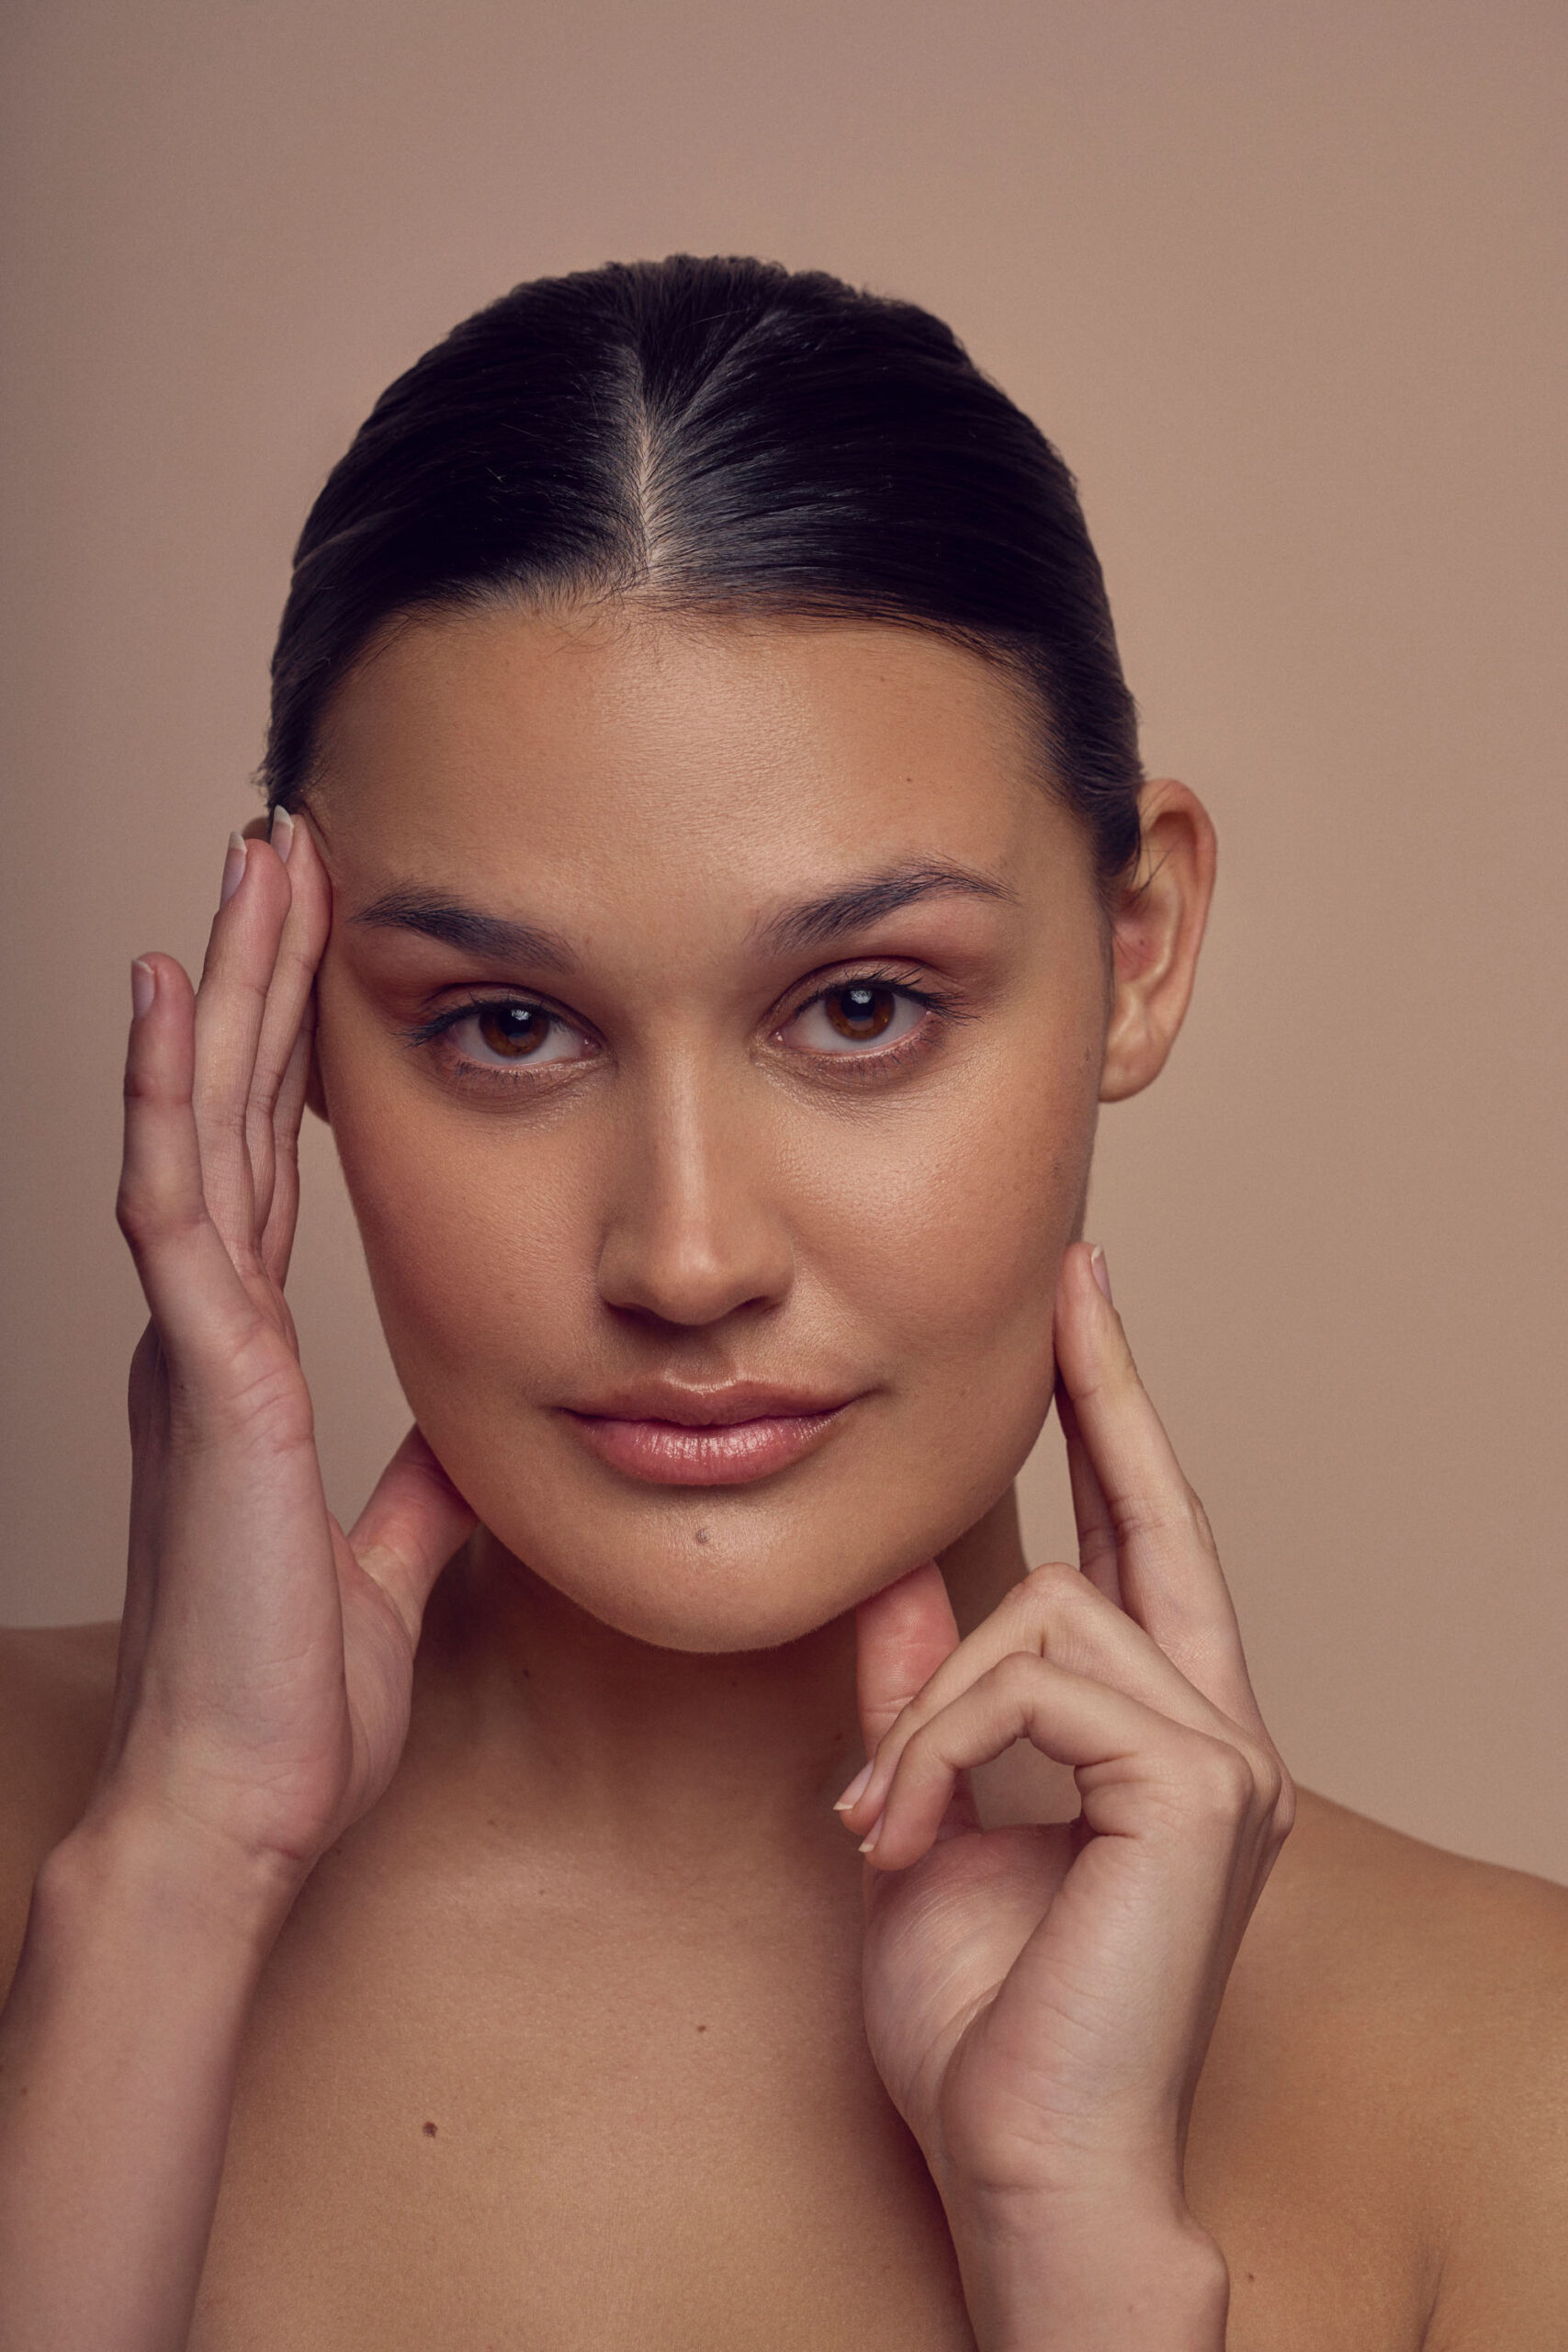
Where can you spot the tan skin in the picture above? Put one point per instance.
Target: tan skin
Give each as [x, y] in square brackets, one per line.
[542, 1997]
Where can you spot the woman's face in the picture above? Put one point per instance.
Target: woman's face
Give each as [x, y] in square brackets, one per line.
[712, 1029]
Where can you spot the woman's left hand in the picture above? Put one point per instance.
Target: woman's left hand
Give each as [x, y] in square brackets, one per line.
[1039, 2000]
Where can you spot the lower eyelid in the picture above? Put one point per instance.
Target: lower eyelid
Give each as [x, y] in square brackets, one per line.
[440, 1038]
[869, 1062]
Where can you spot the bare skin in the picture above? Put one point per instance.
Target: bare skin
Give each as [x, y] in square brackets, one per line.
[536, 2000]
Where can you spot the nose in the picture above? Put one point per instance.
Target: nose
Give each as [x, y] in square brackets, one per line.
[695, 1231]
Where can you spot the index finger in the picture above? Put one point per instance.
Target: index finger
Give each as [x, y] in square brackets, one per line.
[1167, 1567]
[283, 1054]
[288, 997]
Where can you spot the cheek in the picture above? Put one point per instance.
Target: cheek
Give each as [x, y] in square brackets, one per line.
[478, 1256]
[949, 1228]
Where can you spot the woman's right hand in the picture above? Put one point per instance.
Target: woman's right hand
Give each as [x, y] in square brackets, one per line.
[267, 1658]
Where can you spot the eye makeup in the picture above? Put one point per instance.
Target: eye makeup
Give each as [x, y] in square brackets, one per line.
[863, 1025]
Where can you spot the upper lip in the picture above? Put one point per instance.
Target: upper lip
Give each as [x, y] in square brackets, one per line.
[704, 1408]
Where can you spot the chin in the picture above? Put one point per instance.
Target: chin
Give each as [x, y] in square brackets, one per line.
[733, 1601]
[721, 1571]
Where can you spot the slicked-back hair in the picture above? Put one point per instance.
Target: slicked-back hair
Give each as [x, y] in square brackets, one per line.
[714, 435]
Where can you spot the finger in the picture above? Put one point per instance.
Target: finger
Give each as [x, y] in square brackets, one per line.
[273, 1120]
[231, 1005]
[1167, 1566]
[1140, 1772]
[283, 1213]
[902, 1635]
[410, 1529]
[1054, 1612]
[198, 1301]
[1092, 1513]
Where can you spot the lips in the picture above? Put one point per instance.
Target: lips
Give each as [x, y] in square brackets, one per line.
[715, 1437]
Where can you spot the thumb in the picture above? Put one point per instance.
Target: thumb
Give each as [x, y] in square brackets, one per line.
[410, 1529]
[902, 1635]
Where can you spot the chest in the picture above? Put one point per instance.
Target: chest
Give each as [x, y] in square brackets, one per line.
[567, 2127]
[570, 2129]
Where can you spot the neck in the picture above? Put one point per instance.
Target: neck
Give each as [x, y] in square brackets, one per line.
[548, 1708]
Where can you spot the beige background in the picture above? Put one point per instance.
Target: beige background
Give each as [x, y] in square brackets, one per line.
[1285, 282]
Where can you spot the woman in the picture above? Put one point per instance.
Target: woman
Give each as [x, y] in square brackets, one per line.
[709, 889]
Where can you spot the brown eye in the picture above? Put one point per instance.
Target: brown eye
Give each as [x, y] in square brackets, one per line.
[514, 1031]
[859, 1012]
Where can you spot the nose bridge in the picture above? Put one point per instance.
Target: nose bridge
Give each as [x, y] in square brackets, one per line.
[695, 1229]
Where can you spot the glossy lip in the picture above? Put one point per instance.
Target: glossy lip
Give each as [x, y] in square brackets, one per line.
[670, 1436]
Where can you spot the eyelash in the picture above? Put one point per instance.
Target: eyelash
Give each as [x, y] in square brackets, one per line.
[847, 1065]
[872, 1065]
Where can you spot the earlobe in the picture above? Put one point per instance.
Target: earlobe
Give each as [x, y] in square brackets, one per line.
[1156, 932]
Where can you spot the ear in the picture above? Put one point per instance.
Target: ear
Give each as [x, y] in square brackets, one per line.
[1157, 930]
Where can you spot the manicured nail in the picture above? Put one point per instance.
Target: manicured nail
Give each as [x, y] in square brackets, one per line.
[1102, 1270]
[867, 1842]
[144, 988]
[282, 834]
[233, 870]
[857, 1788]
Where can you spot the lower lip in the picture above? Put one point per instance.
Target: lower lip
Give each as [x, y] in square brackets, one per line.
[673, 1454]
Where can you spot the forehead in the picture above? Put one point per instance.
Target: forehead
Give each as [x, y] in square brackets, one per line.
[639, 746]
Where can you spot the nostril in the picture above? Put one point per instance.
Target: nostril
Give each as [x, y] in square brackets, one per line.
[692, 1313]
[681, 1285]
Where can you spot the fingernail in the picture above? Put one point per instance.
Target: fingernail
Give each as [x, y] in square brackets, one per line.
[282, 834]
[233, 870]
[857, 1788]
[144, 988]
[867, 1843]
[1102, 1270]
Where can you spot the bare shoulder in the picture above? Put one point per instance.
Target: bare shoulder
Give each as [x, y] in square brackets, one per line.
[1396, 2036]
[1385, 1921]
[56, 1689]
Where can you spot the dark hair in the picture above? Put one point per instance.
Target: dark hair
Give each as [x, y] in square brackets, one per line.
[716, 434]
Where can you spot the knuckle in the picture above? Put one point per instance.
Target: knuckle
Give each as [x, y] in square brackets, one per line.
[1219, 1780]
[1051, 1600]
[132, 1214]
[1052, 1582]
[220, 1116]
[145, 1216]
[142, 1085]
[1138, 1516]
[258, 1127]
[1016, 1677]
[1268, 1778]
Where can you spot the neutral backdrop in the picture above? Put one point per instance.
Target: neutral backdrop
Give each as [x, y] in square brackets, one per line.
[1286, 284]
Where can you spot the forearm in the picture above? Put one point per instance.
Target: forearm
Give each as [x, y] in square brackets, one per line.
[1060, 2281]
[117, 2052]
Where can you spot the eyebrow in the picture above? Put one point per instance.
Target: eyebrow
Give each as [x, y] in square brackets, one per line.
[858, 904]
[500, 939]
[504, 939]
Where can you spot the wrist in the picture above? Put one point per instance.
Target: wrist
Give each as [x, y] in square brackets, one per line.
[174, 1880]
[118, 2049]
[1127, 2275]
